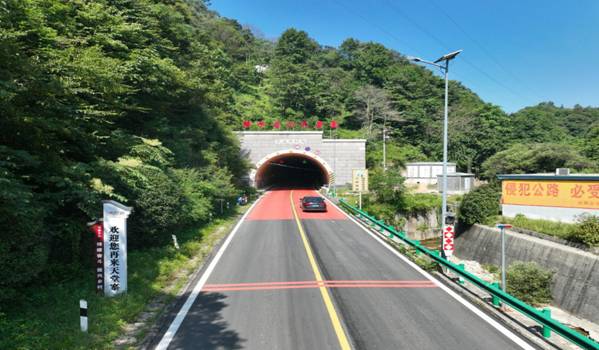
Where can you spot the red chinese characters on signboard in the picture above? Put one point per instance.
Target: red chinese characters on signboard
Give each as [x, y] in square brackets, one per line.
[510, 188]
[98, 230]
[552, 190]
[567, 194]
[524, 189]
[576, 192]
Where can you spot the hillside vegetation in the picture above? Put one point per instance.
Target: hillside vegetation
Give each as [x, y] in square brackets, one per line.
[135, 100]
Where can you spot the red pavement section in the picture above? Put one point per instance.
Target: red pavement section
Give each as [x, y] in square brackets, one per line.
[275, 205]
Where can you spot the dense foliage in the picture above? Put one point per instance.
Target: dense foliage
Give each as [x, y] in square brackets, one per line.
[480, 204]
[586, 230]
[535, 158]
[109, 99]
[529, 282]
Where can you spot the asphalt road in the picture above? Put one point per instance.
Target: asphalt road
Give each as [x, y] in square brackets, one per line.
[292, 280]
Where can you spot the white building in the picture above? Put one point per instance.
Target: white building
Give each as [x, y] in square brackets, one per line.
[423, 175]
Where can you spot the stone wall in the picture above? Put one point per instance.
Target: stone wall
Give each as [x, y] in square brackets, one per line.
[576, 281]
[422, 226]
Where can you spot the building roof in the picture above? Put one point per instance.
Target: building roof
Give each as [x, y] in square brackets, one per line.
[457, 174]
[428, 163]
[580, 177]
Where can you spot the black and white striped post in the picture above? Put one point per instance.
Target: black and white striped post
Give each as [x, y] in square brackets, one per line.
[83, 315]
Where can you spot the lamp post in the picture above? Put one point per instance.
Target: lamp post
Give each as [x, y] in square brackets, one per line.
[502, 227]
[445, 69]
[385, 137]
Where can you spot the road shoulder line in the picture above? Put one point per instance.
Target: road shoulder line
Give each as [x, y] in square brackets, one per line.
[176, 323]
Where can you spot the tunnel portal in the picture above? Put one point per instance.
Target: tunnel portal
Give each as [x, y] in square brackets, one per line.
[291, 170]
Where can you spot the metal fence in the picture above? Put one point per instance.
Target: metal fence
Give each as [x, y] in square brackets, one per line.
[540, 316]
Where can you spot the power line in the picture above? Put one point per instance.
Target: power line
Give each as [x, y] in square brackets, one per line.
[441, 43]
[390, 34]
[483, 49]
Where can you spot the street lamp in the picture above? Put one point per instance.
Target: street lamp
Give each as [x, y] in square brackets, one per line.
[385, 137]
[503, 227]
[445, 69]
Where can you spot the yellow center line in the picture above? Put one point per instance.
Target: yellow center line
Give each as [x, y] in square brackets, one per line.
[343, 342]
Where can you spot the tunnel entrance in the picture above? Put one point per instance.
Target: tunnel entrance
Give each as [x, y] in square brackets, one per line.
[291, 169]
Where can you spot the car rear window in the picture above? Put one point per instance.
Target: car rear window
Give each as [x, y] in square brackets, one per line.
[313, 199]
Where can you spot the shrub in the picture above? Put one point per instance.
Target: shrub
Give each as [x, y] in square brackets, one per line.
[23, 251]
[529, 282]
[587, 230]
[480, 204]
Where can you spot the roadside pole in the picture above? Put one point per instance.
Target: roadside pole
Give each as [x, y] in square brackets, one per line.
[502, 227]
[360, 198]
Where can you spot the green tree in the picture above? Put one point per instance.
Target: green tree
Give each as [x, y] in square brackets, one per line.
[534, 158]
[480, 204]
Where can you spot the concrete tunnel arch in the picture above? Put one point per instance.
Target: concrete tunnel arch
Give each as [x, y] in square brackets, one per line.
[261, 176]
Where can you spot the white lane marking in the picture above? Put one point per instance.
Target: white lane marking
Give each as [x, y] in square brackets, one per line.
[174, 327]
[502, 329]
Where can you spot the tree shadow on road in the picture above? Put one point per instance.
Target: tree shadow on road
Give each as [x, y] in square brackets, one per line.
[204, 326]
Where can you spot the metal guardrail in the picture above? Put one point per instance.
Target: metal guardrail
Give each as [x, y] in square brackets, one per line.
[542, 317]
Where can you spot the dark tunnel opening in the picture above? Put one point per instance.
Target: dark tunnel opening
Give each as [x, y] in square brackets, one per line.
[291, 170]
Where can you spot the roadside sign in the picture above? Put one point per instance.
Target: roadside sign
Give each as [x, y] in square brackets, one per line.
[448, 240]
[115, 247]
[360, 180]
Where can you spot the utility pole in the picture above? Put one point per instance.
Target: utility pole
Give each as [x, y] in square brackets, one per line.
[335, 162]
[385, 142]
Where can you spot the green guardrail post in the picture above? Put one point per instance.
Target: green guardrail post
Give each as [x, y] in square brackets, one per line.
[416, 245]
[462, 268]
[495, 299]
[546, 330]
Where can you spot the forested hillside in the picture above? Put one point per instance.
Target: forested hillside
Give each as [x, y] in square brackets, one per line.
[135, 100]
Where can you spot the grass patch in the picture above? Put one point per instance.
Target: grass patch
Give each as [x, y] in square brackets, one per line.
[48, 317]
[552, 228]
[491, 268]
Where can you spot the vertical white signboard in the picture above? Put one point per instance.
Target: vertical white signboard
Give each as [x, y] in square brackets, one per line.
[115, 247]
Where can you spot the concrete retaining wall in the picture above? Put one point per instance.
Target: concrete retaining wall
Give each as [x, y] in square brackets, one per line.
[422, 226]
[576, 281]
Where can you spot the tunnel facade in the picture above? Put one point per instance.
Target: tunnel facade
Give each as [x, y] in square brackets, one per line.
[291, 168]
[301, 158]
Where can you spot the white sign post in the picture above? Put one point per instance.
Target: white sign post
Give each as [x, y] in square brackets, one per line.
[448, 243]
[115, 247]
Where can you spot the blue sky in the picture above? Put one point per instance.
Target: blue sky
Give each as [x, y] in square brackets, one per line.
[516, 53]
